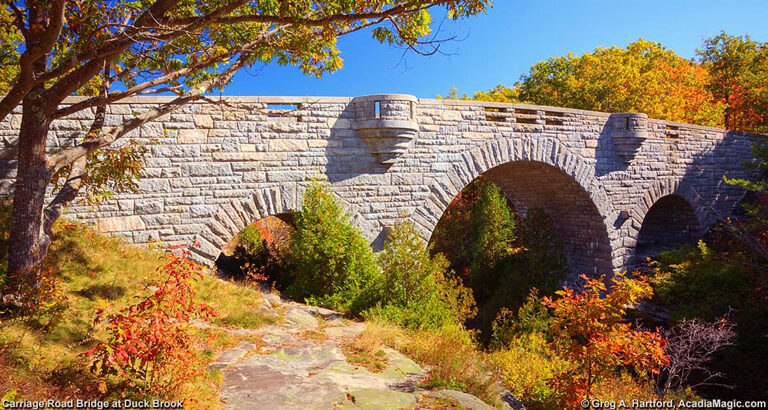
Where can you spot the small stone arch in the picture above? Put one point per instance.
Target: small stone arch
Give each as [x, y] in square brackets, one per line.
[662, 188]
[232, 216]
[689, 206]
[549, 151]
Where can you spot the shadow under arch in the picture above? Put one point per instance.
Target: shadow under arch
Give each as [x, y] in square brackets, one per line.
[670, 208]
[668, 224]
[539, 172]
[231, 217]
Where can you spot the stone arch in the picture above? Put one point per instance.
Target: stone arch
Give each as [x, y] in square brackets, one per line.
[671, 210]
[662, 188]
[232, 216]
[532, 152]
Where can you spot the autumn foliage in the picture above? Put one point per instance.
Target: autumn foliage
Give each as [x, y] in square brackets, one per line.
[262, 250]
[738, 68]
[643, 77]
[588, 329]
[724, 86]
[150, 349]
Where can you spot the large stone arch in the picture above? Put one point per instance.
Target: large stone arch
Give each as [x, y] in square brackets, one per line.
[232, 216]
[529, 150]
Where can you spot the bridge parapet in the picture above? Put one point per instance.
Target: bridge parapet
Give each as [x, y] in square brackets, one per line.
[214, 168]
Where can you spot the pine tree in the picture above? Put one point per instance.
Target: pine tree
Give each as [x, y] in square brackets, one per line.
[334, 264]
[493, 230]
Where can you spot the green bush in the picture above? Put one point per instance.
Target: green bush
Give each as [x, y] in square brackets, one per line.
[707, 283]
[333, 265]
[544, 253]
[417, 291]
[695, 283]
[533, 318]
[251, 253]
[251, 242]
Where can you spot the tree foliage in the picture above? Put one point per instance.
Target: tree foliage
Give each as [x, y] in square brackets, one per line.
[500, 255]
[452, 236]
[9, 37]
[493, 230]
[108, 51]
[725, 86]
[643, 77]
[738, 68]
[588, 329]
[333, 265]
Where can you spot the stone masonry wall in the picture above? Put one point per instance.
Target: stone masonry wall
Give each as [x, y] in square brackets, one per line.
[212, 168]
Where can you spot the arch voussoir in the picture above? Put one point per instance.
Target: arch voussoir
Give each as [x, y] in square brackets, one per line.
[239, 211]
[229, 214]
[494, 153]
[232, 216]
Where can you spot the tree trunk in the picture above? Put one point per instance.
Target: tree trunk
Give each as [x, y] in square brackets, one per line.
[28, 244]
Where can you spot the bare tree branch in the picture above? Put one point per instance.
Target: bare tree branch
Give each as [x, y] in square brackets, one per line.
[691, 345]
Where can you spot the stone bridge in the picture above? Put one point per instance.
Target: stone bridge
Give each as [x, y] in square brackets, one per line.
[617, 185]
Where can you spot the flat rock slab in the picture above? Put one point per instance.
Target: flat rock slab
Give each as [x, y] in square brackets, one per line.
[232, 356]
[465, 400]
[262, 387]
[370, 399]
[301, 318]
[316, 377]
[345, 331]
[303, 366]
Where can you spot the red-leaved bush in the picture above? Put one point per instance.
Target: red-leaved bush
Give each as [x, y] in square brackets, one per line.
[588, 329]
[150, 350]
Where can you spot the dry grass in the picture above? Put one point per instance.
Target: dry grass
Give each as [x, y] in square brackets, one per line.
[366, 350]
[99, 272]
[450, 352]
[237, 304]
[372, 360]
[314, 335]
[429, 402]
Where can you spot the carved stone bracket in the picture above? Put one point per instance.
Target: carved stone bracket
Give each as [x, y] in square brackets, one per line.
[387, 123]
[629, 132]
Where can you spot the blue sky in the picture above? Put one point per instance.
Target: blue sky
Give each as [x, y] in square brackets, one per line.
[495, 48]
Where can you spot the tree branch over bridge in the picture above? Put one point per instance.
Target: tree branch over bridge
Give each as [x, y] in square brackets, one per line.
[109, 51]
